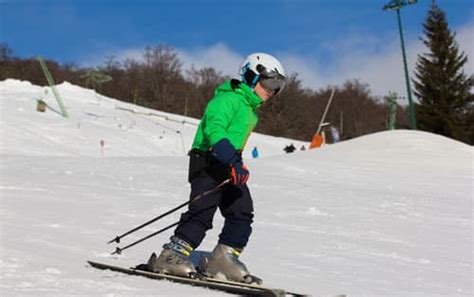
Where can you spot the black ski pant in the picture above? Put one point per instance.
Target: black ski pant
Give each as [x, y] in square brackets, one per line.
[234, 202]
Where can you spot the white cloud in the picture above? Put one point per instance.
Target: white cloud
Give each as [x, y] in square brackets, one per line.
[373, 60]
[218, 56]
[465, 39]
[382, 69]
[118, 54]
[133, 54]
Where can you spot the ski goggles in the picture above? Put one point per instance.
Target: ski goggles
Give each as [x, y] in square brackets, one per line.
[271, 80]
[274, 84]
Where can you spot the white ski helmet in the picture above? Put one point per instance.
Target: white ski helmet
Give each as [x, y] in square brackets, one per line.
[264, 68]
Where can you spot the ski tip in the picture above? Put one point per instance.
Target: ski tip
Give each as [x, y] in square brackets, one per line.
[93, 264]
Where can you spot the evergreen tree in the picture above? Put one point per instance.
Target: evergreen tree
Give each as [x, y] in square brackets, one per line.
[443, 89]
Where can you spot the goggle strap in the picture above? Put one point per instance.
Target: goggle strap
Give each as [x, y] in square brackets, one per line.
[255, 80]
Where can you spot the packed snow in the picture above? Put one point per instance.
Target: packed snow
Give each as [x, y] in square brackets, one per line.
[387, 214]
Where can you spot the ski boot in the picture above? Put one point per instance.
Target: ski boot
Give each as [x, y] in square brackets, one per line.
[224, 263]
[174, 259]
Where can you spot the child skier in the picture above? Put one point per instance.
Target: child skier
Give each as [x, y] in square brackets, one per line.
[216, 156]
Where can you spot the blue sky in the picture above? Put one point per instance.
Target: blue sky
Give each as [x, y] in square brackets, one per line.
[326, 42]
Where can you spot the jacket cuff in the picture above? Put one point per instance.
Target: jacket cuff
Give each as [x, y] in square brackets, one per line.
[225, 152]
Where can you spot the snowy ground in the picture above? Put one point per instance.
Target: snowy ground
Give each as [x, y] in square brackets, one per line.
[389, 214]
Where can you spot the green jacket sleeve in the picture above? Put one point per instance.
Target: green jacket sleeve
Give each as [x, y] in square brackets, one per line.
[219, 114]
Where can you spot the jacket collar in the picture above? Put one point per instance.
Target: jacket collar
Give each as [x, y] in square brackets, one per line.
[252, 99]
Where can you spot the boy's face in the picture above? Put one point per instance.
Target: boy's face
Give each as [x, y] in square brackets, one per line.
[263, 93]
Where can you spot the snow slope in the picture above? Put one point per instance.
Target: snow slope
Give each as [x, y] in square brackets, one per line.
[126, 129]
[388, 214]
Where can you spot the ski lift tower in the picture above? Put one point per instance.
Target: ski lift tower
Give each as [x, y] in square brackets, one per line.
[397, 5]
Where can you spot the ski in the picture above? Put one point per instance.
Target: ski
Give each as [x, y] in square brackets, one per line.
[210, 283]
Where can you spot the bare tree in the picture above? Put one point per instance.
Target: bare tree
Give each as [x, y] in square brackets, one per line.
[162, 69]
[203, 83]
[5, 52]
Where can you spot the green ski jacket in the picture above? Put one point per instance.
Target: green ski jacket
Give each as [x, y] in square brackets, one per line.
[230, 114]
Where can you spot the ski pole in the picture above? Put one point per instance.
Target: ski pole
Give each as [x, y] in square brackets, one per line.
[119, 250]
[119, 237]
